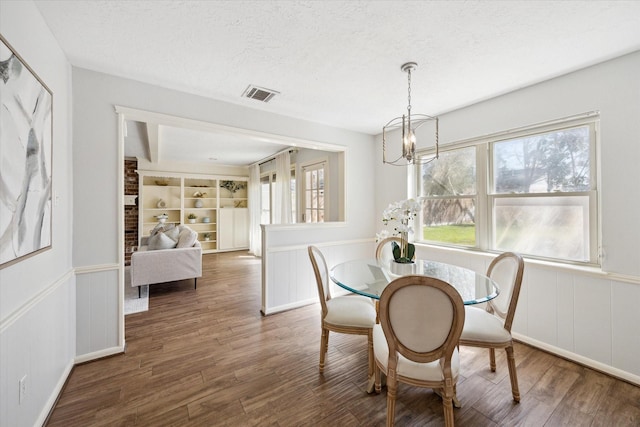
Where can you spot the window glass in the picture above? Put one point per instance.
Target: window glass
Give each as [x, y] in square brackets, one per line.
[265, 200]
[552, 227]
[544, 163]
[267, 183]
[294, 197]
[314, 182]
[448, 190]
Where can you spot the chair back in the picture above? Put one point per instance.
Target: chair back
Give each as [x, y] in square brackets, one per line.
[384, 250]
[506, 270]
[321, 272]
[422, 319]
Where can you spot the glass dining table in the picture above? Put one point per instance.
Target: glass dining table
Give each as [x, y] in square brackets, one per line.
[368, 277]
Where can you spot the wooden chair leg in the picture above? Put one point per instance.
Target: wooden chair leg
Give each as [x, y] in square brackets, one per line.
[513, 376]
[378, 381]
[447, 404]
[392, 388]
[324, 343]
[370, 352]
[492, 359]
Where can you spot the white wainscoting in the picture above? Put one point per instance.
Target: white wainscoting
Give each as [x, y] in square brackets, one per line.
[578, 313]
[287, 276]
[36, 343]
[99, 300]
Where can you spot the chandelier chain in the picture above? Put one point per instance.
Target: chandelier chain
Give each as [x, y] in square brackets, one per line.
[409, 89]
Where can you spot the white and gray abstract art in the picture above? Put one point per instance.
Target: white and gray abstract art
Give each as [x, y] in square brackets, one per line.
[25, 159]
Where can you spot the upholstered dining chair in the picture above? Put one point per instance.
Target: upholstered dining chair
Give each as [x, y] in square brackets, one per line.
[491, 327]
[349, 314]
[421, 319]
[384, 251]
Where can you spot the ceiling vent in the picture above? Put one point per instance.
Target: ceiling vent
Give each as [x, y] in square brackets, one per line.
[259, 93]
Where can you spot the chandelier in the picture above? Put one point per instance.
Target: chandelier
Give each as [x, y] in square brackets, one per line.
[409, 123]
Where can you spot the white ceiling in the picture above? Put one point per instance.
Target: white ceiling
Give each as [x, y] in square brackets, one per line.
[338, 62]
[163, 142]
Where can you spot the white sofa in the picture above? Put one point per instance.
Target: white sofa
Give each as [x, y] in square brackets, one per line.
[166, 265]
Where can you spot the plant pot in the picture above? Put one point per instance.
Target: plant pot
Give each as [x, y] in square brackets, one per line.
[192, 220]
[402, 268]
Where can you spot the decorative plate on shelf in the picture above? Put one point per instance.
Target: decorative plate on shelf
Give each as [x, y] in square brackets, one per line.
[161, 204]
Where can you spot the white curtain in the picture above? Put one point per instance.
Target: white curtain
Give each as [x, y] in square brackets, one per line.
[255, 232]
[282, 194]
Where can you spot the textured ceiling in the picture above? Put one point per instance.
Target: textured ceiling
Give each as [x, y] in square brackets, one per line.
[338, 62]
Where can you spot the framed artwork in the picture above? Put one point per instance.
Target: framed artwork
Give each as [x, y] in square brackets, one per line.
[26, 145]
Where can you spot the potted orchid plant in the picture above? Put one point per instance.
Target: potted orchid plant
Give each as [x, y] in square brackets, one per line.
[402, 214]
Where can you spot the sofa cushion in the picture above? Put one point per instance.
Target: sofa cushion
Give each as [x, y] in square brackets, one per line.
[163, 236]
[186, 238]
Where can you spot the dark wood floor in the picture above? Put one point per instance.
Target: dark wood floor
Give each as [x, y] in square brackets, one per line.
[207, 357]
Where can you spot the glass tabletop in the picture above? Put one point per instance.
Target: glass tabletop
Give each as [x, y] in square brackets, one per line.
[368, 278]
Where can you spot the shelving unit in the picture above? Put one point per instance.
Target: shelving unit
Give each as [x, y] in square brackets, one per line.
[205, 207]
[162, 195]
[233, 194]
[179, 195]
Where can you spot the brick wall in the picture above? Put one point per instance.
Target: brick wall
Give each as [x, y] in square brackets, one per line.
[130, 211]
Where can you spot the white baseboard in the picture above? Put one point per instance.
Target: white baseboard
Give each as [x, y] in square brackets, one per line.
[55, 393]
[285, 307]
[99, 354]
[598, 366]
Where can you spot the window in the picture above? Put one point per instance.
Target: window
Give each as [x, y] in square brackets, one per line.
[531, 191]
[266, 195]
[314, 192]
[265, 199]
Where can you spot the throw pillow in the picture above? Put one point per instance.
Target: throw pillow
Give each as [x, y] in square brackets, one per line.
[163, 236]
[187, 238]
[162, 227]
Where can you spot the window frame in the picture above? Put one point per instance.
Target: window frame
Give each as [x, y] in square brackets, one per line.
[486, 197]
[311, 166]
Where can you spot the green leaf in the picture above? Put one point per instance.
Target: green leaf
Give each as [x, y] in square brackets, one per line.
[411, 252]
[396, 250]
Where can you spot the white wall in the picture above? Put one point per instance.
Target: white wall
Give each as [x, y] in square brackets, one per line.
[96, 163]
[37, 295]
